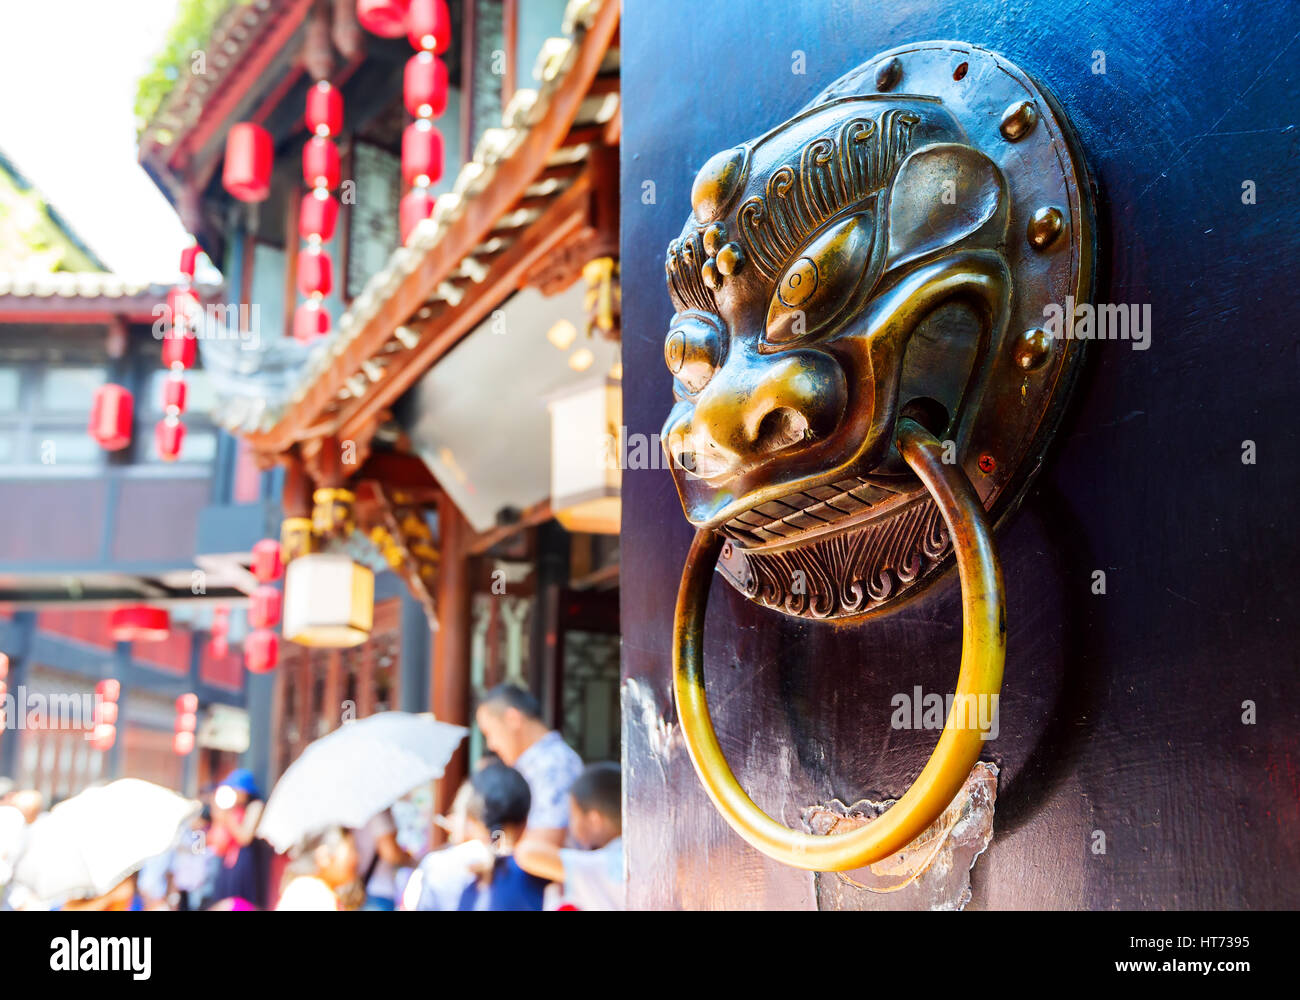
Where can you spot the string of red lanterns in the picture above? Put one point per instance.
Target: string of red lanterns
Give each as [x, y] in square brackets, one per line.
[103, 733]
[262, 645]
[319, 210]
[424, 92]
[187, 721]
[179, 352]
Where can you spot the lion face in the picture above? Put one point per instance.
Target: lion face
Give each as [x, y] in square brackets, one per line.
[840, 270]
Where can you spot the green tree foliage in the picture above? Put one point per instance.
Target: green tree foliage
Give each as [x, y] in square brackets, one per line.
[190, 32]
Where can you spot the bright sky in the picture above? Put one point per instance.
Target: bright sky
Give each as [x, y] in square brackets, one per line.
[68, 70]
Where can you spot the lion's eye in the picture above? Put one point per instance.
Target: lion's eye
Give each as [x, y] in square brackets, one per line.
[693, 350]
[821, 280]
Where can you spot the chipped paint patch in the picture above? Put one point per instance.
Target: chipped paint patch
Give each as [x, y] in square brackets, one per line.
[932, 872]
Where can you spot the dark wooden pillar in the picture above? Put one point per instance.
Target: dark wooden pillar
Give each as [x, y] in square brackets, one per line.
[449, 683]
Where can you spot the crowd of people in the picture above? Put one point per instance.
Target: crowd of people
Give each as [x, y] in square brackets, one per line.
[531, 829]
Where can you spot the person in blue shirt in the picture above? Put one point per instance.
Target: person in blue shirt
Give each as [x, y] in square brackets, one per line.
[496, 814]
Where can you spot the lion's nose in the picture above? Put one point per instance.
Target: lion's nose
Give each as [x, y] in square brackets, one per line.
[756, 408]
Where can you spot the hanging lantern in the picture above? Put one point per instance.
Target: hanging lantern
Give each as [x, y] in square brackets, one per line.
[424, 85]
[261, 651]
[417, 205]
[111, 414]
[315, 272]
[106, 713]
[179, 350]
[174, 392]
[103, 737]
[310, 321]
[329, 601]
[385, 18]
[324, 115]
[184, 309]
[318, 215]
[320, 163]
[169, 433]
[108, 690]
[247, 173]
[264, 607]
[428, 25]
[585, 482]
[421, 154]
[183, 744]
[189, 260]
[139, 623]
[268, 562]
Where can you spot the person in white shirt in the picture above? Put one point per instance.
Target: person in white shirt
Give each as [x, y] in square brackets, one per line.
[443, 875]
[594, 878]
[511, 721]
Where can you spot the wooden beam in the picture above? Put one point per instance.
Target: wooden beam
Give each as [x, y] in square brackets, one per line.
[534, 515]
[568, 213]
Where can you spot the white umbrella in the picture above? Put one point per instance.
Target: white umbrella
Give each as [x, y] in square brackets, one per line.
[85, 846]
[358, 770]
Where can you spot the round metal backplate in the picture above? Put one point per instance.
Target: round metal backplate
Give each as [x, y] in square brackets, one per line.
[885, 540]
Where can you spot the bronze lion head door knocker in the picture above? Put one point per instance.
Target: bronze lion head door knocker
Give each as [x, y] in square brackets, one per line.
[863, 382]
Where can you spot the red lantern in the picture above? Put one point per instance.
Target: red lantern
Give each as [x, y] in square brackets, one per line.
[189, 260]
[183, 743]
[247, 174]
[261, 651]
[103, 737]
[179, 350]
[320, 163]
[187, 704]
[106, 713]
[317, 215]
[416, 204]
[139, 623]
[264, 607]
[174, 394]
[110, 417]
[219, 647]
[183, 308]
[268, 563]
[169, 433]
[186, 722]
[324, 110]
[310, 322]
[315, 272]
[421, 153]
[4, 666]
[428, 25]
[385, 18]
[108, 689]
[424, 85]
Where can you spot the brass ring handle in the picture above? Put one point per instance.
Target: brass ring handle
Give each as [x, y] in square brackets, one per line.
[982, 658]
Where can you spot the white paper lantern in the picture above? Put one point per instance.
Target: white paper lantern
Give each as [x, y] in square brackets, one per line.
[329, 600]
[586, 428]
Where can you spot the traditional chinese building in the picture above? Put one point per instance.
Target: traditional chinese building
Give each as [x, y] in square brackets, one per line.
[454, 428]
[114, 560]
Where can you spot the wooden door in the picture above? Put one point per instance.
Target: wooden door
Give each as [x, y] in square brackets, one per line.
[1160, 716]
